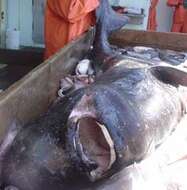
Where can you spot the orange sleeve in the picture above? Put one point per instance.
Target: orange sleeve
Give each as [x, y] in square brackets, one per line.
[72, 10]
[174, 2]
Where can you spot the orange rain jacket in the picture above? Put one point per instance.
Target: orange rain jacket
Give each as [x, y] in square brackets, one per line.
[152, 21]
[65, 20]
[179, 17]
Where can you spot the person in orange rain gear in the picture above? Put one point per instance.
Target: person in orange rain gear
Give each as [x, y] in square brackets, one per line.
[152, 21]
[65, 20]
[179, 17]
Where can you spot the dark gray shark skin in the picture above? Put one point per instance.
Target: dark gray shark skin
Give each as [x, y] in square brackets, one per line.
[94, 132]
[138, 108]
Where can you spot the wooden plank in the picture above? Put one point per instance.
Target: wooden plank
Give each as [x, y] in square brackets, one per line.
[173, 41]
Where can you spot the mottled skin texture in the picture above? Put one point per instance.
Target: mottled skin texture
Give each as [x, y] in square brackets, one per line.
[37, 158]
[138, 107]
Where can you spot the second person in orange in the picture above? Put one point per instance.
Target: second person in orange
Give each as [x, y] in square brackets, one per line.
[179, 17]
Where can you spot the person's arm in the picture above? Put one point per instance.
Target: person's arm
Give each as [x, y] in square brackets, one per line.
[72, 10]
[173, 3]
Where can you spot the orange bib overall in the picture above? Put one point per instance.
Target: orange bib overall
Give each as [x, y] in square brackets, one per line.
[179, 17]
[152, 22]
[65, 20]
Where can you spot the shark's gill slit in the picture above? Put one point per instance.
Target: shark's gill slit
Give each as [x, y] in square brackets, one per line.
[97, 145]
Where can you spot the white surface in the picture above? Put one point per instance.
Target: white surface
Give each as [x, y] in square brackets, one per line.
[38, 21]
[3, 21]
[164, 16]
[26, 22]
[145, 4]
[164, 13]
[163, 170]
[20, 17]
[12, 39]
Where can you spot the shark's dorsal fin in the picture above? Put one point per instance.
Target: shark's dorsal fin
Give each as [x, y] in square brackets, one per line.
[107, 21]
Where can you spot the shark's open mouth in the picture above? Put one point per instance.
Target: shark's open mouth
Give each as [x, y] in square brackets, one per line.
[96, 145]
